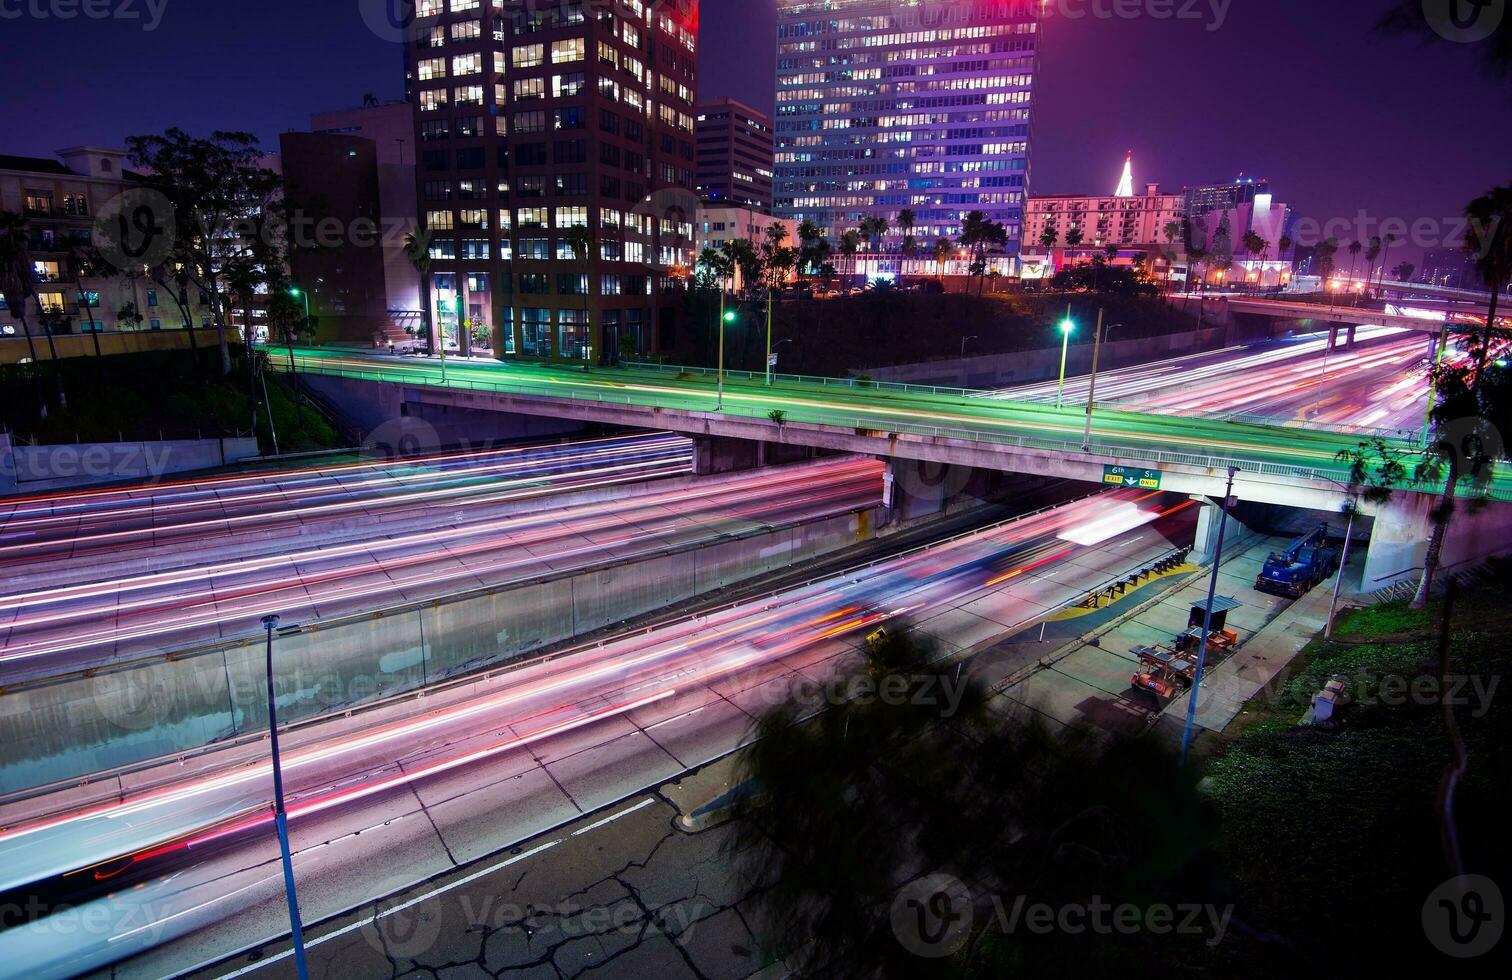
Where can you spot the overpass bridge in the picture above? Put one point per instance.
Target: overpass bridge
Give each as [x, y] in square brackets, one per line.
[1294, 467]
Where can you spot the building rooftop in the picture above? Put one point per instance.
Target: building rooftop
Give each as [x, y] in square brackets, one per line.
[36, 165]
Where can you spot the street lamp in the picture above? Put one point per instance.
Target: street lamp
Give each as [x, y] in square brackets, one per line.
[296, 291]
[725, 317]
[1067, 327]
[1207, 617]
[965, 341]
[1097, 342]
[280, 817]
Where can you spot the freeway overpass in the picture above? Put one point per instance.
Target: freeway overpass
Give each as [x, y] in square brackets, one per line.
[1285, 466]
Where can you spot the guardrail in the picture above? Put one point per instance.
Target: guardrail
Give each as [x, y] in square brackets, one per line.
[1114, 452]
[443, 686]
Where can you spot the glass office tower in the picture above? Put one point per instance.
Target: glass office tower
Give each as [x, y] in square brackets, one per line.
[890, 104]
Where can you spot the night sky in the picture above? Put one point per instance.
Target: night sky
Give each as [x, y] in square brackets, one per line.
[1299, 91]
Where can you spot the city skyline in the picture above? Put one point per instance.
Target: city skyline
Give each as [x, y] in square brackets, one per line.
[1106, 86]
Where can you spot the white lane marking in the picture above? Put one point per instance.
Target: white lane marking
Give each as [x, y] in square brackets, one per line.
[369, 920]
[610, 819]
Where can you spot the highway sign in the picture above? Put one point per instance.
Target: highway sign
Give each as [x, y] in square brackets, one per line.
[1128, 476]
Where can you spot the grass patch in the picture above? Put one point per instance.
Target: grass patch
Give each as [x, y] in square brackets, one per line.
[1331, 841]
[153, 395]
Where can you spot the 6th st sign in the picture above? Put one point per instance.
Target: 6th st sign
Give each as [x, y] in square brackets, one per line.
[1125, 476]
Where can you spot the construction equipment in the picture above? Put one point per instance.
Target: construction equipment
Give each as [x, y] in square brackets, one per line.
[1164, 672]
[1167, 671]
[1307, 561]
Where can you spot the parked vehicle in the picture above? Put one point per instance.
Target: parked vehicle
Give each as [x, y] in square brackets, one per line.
[1307, 561]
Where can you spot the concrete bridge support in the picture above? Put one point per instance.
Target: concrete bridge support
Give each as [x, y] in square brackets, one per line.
[912, 489]
[7, 465]
[723, 454]
[1399, 540]
[1349, 335]
[1206, 542]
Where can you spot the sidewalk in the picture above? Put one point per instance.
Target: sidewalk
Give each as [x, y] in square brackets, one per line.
[1085, 682]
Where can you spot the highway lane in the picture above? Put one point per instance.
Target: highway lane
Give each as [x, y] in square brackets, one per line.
[107, 523]
[852, 405]
[1382, 384]
[102, 618]
[393, 795]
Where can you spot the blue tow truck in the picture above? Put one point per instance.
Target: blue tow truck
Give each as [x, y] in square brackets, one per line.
[1307, 561]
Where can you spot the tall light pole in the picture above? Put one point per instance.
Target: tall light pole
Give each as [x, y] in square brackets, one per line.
[1207, 616]
[280, 817]
[725, 316]
[964, 342]
[1067, 327]
[1097, 339]
[769, 364]
[1354, 506]
[296, 291]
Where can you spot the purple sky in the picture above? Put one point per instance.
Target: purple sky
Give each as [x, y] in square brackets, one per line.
[1295, 90]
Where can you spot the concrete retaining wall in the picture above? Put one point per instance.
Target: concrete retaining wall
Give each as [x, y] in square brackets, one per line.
[1399, 538]
[83, 725]
[27, 469]
[391, 420]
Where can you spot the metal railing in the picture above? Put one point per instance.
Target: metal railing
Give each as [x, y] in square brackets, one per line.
[523, 386]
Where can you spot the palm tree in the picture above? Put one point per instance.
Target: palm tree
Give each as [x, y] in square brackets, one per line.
[1355, 247]
[1255, 245]
[1387, 240]
[1049, 237]
[84, 263]
[850, 242]
[906, 221]
[17, 285]
[1489, 240]
[942, 250]
[873, 230]
[1075, 237]
[417, 250]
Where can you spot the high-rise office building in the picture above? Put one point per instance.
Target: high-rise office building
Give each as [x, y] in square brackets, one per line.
[555, 160]
[734, 155]
[884, 105]
[1205, 198]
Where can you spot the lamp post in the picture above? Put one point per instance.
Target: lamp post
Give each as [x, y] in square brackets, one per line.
[725, 316]
[1097, 339]
[1207, 617]
[296, 291]
[1333, 605]
[965, 341]
[280, 817]
[1067, 327]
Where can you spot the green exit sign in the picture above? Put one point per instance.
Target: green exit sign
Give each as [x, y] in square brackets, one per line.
[1126, 476]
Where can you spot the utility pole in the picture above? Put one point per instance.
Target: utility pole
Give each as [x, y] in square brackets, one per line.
[1092, 382]
[1207, 617]
[1354, 506]
[280, 816]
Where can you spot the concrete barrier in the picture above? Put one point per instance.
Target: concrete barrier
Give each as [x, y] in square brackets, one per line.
[32, 469]
[84, 724]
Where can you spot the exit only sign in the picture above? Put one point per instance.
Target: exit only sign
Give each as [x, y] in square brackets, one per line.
[1126, 476]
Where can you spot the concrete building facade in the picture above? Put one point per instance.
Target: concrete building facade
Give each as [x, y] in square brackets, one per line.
[555, 157]
[734, 155]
